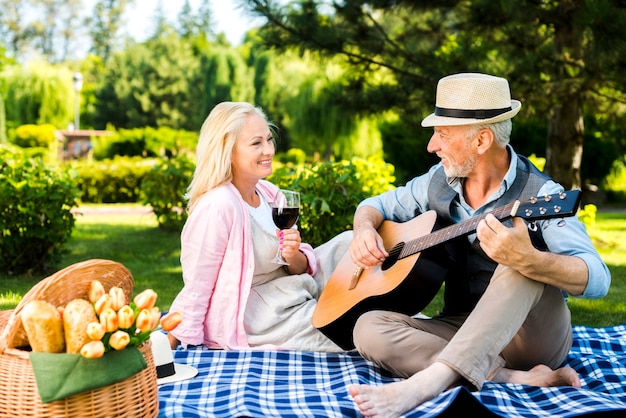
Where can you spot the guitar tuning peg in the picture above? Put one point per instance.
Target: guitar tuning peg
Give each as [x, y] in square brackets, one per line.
[547, 197]
[562, 195]
[533, 200]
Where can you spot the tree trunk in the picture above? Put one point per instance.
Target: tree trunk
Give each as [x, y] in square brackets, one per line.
[566, 129]
[565, 142]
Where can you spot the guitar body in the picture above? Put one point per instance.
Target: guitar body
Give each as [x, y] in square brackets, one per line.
[406, 285]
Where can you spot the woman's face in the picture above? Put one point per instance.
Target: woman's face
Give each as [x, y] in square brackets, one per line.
[254, 150]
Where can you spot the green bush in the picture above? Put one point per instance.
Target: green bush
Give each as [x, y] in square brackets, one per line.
[35, 213]
[146, 142]
[331, 191]
[163, 189]
[27, 136]
[116, 180]
[615, 183]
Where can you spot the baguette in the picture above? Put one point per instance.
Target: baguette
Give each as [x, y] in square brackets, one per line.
[44, 327]
[77, 314]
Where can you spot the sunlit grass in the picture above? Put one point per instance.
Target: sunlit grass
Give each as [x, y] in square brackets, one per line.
[151, 255]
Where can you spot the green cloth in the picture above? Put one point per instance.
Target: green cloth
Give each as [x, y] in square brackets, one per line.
[61, 375]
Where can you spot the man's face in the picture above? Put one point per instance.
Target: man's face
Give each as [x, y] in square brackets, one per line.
[455, 145]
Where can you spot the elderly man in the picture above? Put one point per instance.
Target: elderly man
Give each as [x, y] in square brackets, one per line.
[505, 316]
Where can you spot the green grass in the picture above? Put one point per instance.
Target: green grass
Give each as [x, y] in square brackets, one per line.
[153, 257]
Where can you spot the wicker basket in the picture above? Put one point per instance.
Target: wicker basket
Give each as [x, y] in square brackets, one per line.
[135, 396]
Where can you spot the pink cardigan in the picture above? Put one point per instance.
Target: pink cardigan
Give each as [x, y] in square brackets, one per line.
[217, 259]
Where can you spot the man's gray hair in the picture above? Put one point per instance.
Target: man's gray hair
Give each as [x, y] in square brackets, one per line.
[501, 131]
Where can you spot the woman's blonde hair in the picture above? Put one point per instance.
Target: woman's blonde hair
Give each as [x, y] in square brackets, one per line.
[214, 151]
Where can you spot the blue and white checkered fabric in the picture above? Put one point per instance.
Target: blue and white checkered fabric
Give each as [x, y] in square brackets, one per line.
[305, 384]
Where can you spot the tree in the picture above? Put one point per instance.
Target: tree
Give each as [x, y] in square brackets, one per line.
[104, 26]
[12, 25]
[155, 83]
[38, 94]
[562, 57]
[226, 77]
[3, 125]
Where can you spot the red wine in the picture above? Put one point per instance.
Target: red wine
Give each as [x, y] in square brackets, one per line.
[286, 218]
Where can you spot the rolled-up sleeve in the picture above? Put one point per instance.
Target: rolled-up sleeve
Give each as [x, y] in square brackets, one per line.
[570, 237]
[405, 202]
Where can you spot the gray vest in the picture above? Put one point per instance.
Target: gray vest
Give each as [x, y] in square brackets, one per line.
[471, 268]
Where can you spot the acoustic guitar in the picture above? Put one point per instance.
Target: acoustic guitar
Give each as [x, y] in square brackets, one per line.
[413, 273]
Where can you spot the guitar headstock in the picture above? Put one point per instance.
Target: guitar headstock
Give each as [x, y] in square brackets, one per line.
[557, 205]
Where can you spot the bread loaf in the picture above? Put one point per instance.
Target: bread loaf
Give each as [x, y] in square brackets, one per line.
[77, 315]
[44, 327]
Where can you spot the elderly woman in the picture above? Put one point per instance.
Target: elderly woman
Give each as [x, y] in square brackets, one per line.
[234, 296]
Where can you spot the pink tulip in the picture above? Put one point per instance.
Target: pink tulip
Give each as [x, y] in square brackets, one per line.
[143, 322]
[95, 331]
[119, 340]
[104, 302]
[108, 319]
[118, 297]
[93, 349]
[145, 299]
[96, 290]
[125, 317]
[170, 320]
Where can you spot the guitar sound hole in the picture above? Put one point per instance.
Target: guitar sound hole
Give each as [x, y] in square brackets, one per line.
[394, 254]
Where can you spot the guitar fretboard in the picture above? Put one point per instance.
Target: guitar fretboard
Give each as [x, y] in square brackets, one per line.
[453, 231]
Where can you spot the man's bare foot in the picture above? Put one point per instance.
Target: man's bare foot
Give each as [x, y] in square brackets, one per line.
[540, 375]
[394, 399]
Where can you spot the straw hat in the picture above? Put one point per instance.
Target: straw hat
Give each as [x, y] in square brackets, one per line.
[167, 370]
[471, 99]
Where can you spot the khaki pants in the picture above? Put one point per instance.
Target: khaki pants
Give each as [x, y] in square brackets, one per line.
[518, 323]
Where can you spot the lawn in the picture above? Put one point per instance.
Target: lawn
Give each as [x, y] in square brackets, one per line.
[153, 257]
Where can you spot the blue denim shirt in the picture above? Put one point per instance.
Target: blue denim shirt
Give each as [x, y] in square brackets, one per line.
[406, 202]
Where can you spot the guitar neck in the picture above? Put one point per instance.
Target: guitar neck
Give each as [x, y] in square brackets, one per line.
[453, 231]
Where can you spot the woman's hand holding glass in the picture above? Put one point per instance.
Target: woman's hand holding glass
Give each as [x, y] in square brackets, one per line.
[289, 241]
[285, 211]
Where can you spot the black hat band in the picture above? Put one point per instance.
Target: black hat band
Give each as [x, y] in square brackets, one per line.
[470, 114]
[165, 370]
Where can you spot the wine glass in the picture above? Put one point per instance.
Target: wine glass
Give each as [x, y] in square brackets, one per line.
[285, 212]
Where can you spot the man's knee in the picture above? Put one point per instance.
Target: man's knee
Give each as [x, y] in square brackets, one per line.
[368, 334]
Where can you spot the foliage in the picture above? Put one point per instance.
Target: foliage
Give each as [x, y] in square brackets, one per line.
[104, 26]
[603, 148]
[405, 146]
[34, 136]
[587, 215]
[37, 94]
[115, 180]
[147, 142]
[331, 191]
[35, 212]
[156, 83]
[164, 187]
[226, 78]
[561, 57]
[615, 183]
[3, 120]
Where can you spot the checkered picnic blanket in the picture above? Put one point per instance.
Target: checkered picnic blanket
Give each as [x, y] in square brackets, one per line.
[308, 384]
